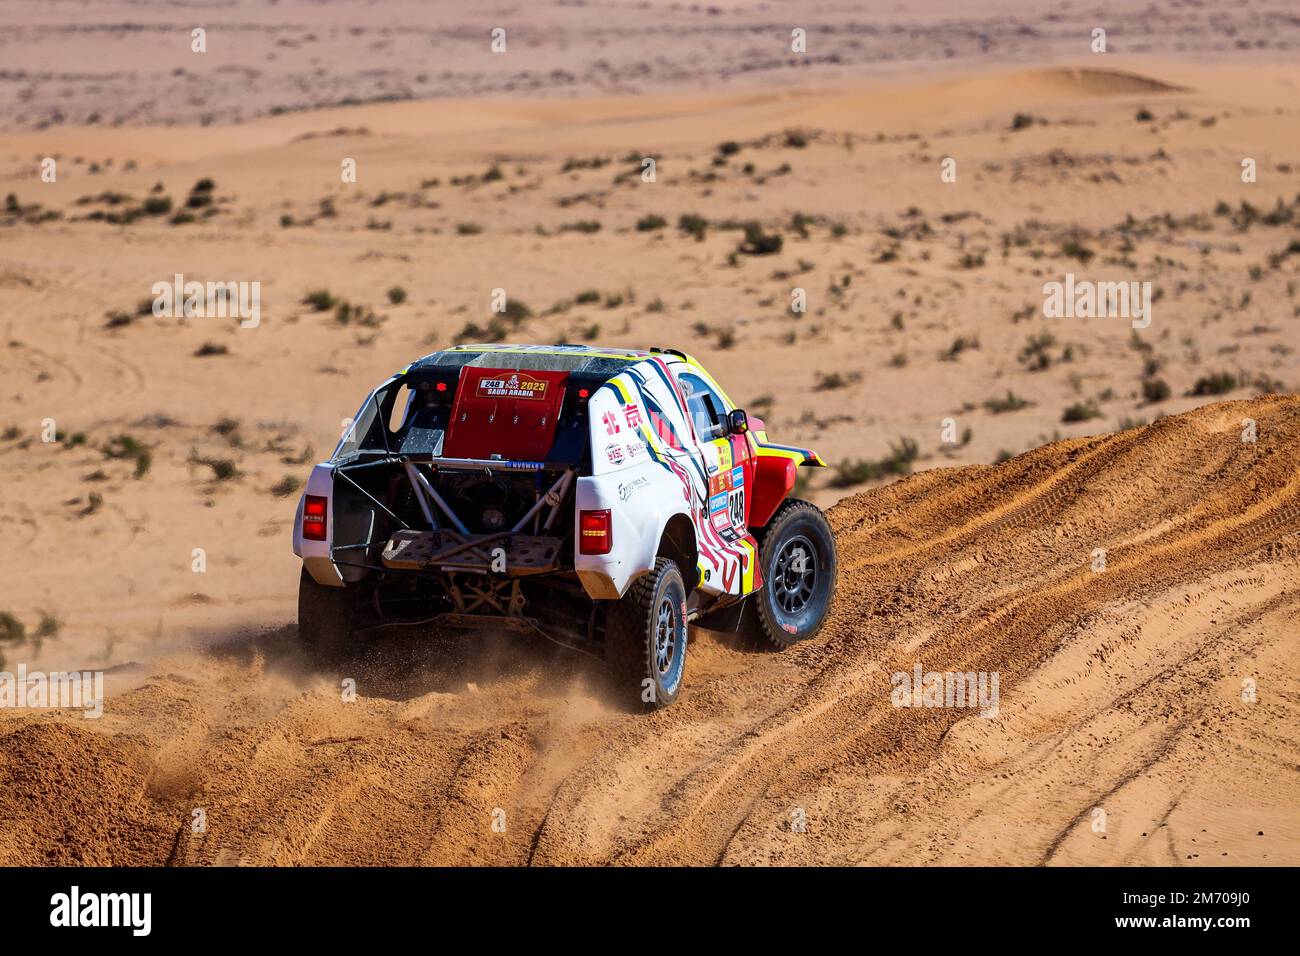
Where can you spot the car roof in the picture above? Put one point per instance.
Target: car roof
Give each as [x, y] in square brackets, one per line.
[587, 359]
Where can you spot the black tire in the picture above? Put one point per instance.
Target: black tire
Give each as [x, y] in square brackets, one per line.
[796, 552]
[645, 638]
[328, 617]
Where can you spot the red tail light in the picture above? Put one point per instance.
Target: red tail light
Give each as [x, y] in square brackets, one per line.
[313, 517]
[596, 536]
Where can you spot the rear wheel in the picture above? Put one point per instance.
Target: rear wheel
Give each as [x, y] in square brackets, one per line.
[796, 552]
[328, 617]
[645, 638]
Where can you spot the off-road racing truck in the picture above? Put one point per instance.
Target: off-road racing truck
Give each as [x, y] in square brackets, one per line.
[603, 498]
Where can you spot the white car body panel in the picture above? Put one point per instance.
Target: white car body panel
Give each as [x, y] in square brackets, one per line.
[645, 477]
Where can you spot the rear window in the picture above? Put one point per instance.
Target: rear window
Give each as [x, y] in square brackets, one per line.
[398, 419]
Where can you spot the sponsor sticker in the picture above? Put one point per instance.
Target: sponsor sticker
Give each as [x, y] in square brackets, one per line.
[626, 490]
[514, 385]
[614, 452]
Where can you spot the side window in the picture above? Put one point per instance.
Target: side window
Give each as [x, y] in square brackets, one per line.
[401, 409]
[706, 407]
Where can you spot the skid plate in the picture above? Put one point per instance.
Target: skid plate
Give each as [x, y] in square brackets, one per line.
[452, 551]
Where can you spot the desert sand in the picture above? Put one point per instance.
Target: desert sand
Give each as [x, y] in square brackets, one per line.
[1120, 689]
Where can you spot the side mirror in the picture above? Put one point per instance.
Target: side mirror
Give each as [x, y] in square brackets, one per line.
[737, 422]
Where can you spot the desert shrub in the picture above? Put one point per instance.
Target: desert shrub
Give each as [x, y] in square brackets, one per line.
[322, 300]
[1034, 356]
[127, 447]
[48, 626]
[350, 313]
[759, 243]
[1010, 403]
[516, 312]
[693, 225]
[1080, 412]
[897, 462]
[830, 381]
[225, 426]
[223, 469]
[960, 344]
[1155, 390]
[12, 630]
[285, 486]
[1217, 383]
[157, 205]
[495, 331]
[1076, 250]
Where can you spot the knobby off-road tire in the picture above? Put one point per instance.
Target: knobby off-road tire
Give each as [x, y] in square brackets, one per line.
[645, 638]
[796, 552]
[328, 617]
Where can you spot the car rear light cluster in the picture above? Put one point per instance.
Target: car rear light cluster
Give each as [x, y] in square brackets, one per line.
[595, 532]
[314, 510]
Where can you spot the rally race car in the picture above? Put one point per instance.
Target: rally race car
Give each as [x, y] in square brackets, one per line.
[603, 498]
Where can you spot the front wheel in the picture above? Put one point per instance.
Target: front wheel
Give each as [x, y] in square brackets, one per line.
[796, 552]
[645, 638]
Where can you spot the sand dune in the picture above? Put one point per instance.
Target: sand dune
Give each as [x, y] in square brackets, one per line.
[1119, 690]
